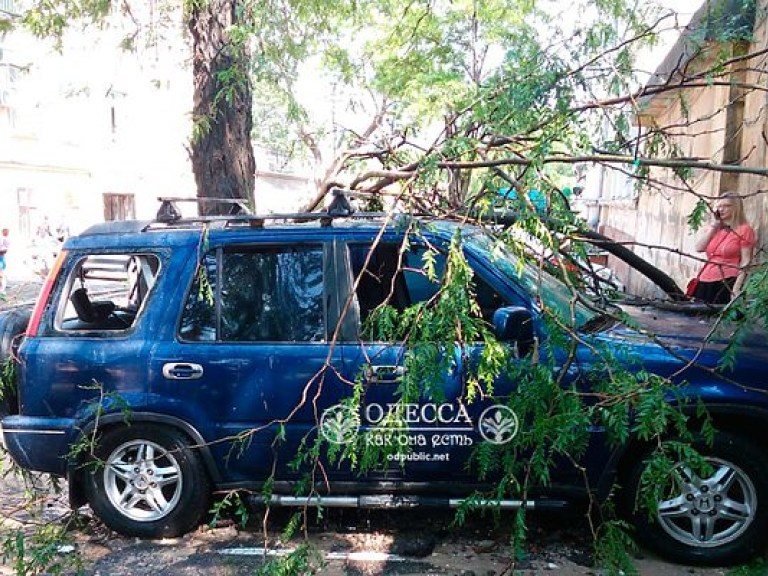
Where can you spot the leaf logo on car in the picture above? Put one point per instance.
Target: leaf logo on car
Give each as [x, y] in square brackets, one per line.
[498, 424]
[339, 424]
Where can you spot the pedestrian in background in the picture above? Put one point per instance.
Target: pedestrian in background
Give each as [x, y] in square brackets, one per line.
[4, 245]
[729, 243]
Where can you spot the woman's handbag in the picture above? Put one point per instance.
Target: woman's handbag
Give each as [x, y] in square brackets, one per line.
[690, 290]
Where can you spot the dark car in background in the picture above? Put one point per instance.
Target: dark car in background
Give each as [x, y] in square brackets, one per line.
[200, 355]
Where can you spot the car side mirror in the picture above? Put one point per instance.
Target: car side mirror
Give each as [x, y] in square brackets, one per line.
[514, 324]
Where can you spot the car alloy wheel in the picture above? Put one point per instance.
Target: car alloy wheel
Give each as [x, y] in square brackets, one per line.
[709, 511]
[143, 480]
[715, 516]
[147, 481]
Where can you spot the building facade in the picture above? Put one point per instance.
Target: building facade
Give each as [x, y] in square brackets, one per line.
[95, 133]
[724, 121]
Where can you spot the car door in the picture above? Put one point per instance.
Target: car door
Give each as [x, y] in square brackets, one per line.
[92, 349]
[250, 366]
[433, 434]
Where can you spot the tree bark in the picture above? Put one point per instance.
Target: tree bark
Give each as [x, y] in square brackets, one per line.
[221, 149]
[658, 277]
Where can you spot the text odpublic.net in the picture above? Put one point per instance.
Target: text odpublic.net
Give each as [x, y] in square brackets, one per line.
[419, 457]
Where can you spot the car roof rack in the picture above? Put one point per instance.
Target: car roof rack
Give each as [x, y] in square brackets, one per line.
[169, 213]
[340, 207]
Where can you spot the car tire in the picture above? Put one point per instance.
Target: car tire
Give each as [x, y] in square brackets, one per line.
[718, 520]
[148, 482]
[13, 323]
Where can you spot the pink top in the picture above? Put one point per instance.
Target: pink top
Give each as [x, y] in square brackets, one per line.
[724, 252]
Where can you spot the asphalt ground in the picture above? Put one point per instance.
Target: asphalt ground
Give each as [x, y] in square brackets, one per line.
[20, 292]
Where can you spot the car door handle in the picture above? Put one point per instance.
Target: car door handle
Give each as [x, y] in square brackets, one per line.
[182, 371]
[384, 374]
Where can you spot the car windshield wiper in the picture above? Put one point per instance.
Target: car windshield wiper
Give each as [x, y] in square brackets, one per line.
[598, 322]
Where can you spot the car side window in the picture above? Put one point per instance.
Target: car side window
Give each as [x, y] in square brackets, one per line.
[264, 294]
[105, 292]
[198, 322]
[403, 283]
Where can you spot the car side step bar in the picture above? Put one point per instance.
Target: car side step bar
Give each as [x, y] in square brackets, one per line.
[387, 501]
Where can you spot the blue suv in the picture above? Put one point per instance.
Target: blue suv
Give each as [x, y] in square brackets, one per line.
[165, 361]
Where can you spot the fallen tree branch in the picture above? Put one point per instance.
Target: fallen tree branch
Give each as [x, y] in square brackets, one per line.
[608, 159]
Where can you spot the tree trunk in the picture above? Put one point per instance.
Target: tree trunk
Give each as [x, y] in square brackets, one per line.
[658, 277]
[221, 149]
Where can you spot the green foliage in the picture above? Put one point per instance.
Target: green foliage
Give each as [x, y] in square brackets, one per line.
[555, 419]
[83, 451]
[660, 144]
[39, 552]
[698, 214]
[553, 424]
[613, 548]
[205, 290]
[758, 567]
[485, 69]
[51, 19]
[729, 22]
[743, 317]
[37, 545]
[707, 431]
[7, 379]
[338, 453]
[668, 469]
[655, 415]
[231, 505]
[292, 526]
[519, 534]
[201, 127]
[504, 81]
[231, 82]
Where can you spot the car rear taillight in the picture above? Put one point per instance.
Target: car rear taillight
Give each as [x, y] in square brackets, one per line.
[37, 312]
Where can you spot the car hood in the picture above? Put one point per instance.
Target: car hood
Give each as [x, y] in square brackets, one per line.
[685, 330]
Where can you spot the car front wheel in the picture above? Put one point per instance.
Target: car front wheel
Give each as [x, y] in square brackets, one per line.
[715, 516]
[147, 482]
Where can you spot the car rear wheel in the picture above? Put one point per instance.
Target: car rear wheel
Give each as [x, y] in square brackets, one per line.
[716, 517]
[13, 324]
[148, 482]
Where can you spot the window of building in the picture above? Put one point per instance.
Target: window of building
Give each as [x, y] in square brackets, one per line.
[25, 199]
[278, 161]
[119, 207]
[8, 79]
[9, 7]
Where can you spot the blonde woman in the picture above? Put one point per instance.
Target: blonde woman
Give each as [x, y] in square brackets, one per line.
[729, 242]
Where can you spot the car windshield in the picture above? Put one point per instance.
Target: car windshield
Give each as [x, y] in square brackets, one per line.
[546, 290]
